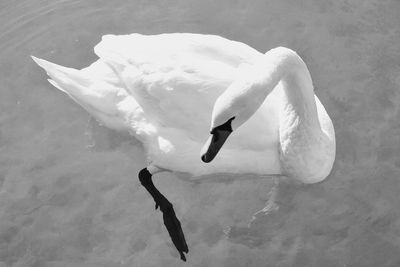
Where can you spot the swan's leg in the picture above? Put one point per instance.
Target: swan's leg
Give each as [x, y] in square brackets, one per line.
[270, 205]
[170, 221]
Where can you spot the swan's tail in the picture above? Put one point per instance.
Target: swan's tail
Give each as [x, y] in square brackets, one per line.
[108, 103]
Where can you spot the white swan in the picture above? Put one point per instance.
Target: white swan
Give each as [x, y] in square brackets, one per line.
[164, 89]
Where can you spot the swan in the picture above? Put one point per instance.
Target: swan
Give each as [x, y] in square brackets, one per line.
[181, 94]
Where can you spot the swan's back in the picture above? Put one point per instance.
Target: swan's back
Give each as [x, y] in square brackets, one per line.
[168, 49]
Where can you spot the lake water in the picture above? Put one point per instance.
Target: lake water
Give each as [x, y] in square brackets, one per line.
[69, 193]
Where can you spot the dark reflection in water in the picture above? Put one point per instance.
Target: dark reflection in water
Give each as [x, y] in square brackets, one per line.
[69, 195]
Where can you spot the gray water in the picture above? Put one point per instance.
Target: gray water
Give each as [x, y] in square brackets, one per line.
[69, 194]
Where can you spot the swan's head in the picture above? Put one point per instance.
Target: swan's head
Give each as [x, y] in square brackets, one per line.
[231, 110]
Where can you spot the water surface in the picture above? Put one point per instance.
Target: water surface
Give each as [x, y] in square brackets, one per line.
[69, 194]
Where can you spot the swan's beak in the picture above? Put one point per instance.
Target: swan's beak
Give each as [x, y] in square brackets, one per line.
[214, 144]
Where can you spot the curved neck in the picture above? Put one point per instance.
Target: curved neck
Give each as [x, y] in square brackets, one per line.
[248, 91]
[298, 102]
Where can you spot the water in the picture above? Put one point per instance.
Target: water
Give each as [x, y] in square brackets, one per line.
[69, 190]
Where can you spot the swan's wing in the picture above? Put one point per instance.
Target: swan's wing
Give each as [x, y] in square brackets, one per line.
[99, 91]
[175, 78]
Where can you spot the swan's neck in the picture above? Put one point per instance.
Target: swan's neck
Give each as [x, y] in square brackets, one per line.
[284, 66]
[306, 152]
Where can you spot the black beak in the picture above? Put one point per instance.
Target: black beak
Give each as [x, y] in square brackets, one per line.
[213, 145]
[216, 141]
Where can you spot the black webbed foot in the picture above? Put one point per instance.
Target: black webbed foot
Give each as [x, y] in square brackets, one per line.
[170, 221]
[175, 230]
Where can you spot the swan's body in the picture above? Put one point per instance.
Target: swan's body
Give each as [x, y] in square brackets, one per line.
[163, 90]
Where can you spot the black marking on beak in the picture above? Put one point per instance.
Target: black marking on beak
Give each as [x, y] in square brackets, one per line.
[217, 139]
